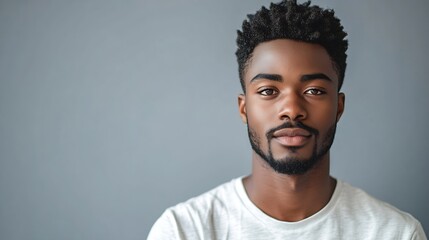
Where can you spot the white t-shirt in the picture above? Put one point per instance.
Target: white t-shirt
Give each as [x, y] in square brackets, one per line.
[226, 212]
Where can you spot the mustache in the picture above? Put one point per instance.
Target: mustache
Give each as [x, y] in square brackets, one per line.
[291, 124]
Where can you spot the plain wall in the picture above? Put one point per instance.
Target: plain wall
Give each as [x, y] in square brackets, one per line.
[112, 111]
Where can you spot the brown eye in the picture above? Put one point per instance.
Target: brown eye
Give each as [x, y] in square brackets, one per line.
[268, 92]
[315, 91]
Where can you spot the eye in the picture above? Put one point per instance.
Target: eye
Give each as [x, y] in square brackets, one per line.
[268, 92]
[315, 91]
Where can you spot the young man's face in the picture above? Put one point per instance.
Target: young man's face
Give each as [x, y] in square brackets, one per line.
[291, 105]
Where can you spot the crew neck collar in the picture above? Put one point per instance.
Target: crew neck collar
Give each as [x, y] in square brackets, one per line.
[277, 224]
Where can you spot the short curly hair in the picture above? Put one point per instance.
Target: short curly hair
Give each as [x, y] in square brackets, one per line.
[290, 20]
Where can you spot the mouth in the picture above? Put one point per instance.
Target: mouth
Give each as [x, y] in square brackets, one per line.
[292, 137]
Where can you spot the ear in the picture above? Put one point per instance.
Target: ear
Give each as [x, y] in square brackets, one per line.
[340, 107]
[242, 108]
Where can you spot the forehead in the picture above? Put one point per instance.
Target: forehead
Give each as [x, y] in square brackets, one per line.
[290, 59]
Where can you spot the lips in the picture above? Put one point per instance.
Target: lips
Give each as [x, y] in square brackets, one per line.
[292, 137]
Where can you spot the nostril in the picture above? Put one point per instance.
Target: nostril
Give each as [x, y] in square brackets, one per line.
[291, 107]
[284, 117]
[293, 115]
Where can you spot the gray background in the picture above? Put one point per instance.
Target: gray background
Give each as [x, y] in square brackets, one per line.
[111, 111]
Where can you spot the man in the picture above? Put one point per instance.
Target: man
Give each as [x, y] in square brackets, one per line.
[292, 60]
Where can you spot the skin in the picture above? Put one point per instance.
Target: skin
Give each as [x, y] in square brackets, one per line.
[269, 102]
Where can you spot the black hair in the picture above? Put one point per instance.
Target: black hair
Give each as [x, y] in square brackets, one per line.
[290, 20]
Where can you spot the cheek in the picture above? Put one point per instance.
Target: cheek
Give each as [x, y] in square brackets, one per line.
[260, 118]
[325, 114]
[324, 117]
[327, 106]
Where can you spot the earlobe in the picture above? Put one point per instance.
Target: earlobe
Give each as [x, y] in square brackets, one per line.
[340, 107]
[242, 108]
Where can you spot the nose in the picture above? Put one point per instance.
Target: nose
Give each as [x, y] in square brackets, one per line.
[292, 108]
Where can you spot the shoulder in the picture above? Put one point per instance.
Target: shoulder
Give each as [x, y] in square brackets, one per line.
[366, 210]
[194, 216]
[356, 199]
[215, 198]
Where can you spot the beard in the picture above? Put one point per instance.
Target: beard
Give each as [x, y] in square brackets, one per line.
[292, 165]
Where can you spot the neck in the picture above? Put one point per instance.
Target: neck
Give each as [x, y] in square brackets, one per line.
[289, 197]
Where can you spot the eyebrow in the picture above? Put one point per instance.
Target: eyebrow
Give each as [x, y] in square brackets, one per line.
[278, 78]
[309, 77]
[273, 77]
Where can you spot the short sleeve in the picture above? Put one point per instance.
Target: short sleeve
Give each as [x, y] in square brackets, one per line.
[419, 233]
[164, 228]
